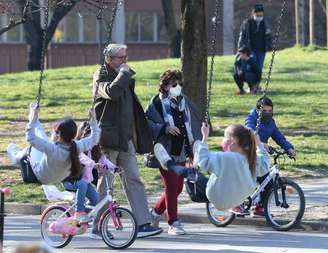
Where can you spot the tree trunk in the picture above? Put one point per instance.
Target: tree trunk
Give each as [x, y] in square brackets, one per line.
[297, 22]
[327, 23]
[171, 27]
[33, 37]
[194, 51]
[34, 32]
[312, 23]
[34, 53]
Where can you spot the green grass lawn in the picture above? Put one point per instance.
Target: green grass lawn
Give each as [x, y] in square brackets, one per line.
[298, 89]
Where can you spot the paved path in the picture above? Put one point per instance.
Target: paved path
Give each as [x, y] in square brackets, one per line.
[201, 238]
[316, 198]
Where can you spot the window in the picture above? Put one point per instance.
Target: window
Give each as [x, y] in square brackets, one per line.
[59, 33]
[90, 28]
[103, 25]
[72, 28]
[161, 29]
[14, 34]
[132, 26]
[145, 27]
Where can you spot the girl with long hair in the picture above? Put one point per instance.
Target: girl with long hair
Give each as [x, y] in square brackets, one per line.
[81, 182]
[50, 162]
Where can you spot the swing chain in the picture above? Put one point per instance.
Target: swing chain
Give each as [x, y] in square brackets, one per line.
[274, 49]
[215, 21]
[43, 51]
[109, 30]
[275, 46]
[110, 26]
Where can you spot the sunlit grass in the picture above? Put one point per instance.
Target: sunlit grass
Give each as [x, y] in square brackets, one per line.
[299, 90]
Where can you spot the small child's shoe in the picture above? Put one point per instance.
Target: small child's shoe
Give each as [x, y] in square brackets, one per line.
[82, 217]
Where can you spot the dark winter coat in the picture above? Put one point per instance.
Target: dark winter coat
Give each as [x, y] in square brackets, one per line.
[245, 34]
[123, 116]
[154, 114]
[249, 66]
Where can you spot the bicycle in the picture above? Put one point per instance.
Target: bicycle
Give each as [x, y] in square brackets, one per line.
[284, 203]
[117, 225]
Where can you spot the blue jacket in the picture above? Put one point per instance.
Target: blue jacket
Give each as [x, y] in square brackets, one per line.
[267, 130]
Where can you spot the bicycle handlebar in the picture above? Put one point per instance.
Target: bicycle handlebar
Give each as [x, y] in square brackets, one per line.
[277, 153]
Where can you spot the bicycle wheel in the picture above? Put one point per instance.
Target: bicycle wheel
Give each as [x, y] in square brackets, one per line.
[219, 218]
[284, 216]
[123, 234]
[52, 239]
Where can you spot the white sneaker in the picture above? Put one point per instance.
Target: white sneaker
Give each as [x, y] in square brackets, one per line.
[161, 154]
[95, 235]
[155, 218]
[12, 151]
[176, 229]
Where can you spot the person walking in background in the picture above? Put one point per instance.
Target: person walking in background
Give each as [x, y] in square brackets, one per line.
[255, 34]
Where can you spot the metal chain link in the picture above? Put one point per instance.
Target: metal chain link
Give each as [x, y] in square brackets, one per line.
[215, 21]
[275, 46]
[274, 49]
[109, 36]
[110, 25]
[43, 51]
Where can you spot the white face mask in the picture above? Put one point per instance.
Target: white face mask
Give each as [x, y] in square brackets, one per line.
[175, 91]
[258, 18]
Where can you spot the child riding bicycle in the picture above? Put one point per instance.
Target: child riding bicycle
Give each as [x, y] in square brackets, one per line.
[267, 129]
[93, 159]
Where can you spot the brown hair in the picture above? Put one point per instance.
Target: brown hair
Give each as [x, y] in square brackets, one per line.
[167, 77]
[67, 131]
[84, 131]
[246, 140]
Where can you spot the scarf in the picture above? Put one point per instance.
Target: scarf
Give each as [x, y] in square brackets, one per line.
[180, 105]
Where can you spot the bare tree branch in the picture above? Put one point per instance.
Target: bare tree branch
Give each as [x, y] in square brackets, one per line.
[14, 23]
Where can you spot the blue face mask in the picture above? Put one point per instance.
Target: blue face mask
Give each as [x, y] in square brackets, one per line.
[258, 19]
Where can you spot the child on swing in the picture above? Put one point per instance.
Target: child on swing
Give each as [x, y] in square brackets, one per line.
[92, 159]
[233, 172]
[51, 162]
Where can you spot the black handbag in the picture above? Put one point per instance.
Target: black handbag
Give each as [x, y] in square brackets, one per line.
[151, 161]
[197, 190]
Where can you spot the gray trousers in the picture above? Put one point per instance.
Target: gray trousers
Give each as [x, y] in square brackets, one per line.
[134, 188]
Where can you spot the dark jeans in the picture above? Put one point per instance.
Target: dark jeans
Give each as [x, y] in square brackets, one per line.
[83, 189]
[266, 189]
[259, 56]
[177, 168]
[248, 77]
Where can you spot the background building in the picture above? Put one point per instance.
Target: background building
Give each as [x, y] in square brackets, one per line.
[140, 25]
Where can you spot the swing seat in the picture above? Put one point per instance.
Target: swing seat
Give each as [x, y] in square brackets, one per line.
[197, 190]
[27, 172]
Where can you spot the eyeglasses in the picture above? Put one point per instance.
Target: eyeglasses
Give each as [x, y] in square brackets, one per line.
[123, 57]
[174, 84]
